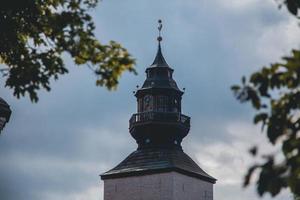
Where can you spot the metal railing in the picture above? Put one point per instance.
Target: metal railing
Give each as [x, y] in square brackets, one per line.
[159, 116]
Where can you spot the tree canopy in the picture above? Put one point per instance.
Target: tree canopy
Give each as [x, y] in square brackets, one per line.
[35, 34]
[274, 92]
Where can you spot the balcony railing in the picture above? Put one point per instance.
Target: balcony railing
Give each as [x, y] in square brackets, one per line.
[159, 117]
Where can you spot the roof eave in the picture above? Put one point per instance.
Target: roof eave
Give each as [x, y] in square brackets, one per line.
[108, 175]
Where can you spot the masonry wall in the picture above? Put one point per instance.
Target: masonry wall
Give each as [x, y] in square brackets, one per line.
[164, 186]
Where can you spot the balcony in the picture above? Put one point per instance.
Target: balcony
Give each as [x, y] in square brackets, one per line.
[161, 117]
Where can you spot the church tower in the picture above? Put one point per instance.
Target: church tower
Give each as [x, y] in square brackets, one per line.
[158, 169]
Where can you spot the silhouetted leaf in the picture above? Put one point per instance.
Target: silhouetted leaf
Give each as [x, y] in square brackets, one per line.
[253, 150]
[292, 6]
[261, 117]
[249, 175]
[243, 79]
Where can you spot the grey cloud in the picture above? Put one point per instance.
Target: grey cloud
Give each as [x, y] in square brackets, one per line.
[78, 130]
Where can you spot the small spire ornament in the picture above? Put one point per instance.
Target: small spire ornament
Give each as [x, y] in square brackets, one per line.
[160, 26]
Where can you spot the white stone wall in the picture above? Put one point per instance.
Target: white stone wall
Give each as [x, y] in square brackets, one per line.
[164, 186]
[189, 188]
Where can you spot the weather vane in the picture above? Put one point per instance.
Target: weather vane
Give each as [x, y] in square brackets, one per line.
[159, 30]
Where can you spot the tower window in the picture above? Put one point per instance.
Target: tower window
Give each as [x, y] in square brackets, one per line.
[162, 103]
[175, 107]
[148, 103]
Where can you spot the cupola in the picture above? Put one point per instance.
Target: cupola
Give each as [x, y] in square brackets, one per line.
[159, 121]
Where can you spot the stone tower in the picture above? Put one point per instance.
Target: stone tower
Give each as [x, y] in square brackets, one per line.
[158, 169]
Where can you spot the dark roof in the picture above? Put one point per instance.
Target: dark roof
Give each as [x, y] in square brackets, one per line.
[4, 109]
[160, 83]
[160, 77]
[150, 161]
[3, 103]
[159, 60]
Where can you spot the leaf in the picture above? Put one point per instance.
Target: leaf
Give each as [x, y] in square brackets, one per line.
[253, 150]
[292, 6]
[235, 88]
[249, 175]
[244, 80]
[254, 97]
[261, 117]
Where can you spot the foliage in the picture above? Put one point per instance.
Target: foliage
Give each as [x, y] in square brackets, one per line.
[292, 6]
[36, 33]
[274, 93]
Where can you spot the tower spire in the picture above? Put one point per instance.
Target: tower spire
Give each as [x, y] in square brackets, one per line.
[159, 60]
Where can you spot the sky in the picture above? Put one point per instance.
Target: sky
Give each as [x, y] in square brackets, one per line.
[56, 149]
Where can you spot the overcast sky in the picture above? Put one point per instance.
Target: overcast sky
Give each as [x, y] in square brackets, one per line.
[55, 150]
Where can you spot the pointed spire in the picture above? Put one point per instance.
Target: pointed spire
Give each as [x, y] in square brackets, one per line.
[159, 60]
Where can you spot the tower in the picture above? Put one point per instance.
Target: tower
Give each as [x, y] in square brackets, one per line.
[158, 169]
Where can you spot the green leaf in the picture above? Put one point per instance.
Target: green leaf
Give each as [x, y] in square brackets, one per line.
[35, 35]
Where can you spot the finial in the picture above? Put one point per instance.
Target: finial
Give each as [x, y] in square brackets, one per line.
[159, 38]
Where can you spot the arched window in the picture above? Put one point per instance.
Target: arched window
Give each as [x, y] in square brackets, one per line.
[162, 103]
[169, 74]
[148, 103]
[175, 105]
